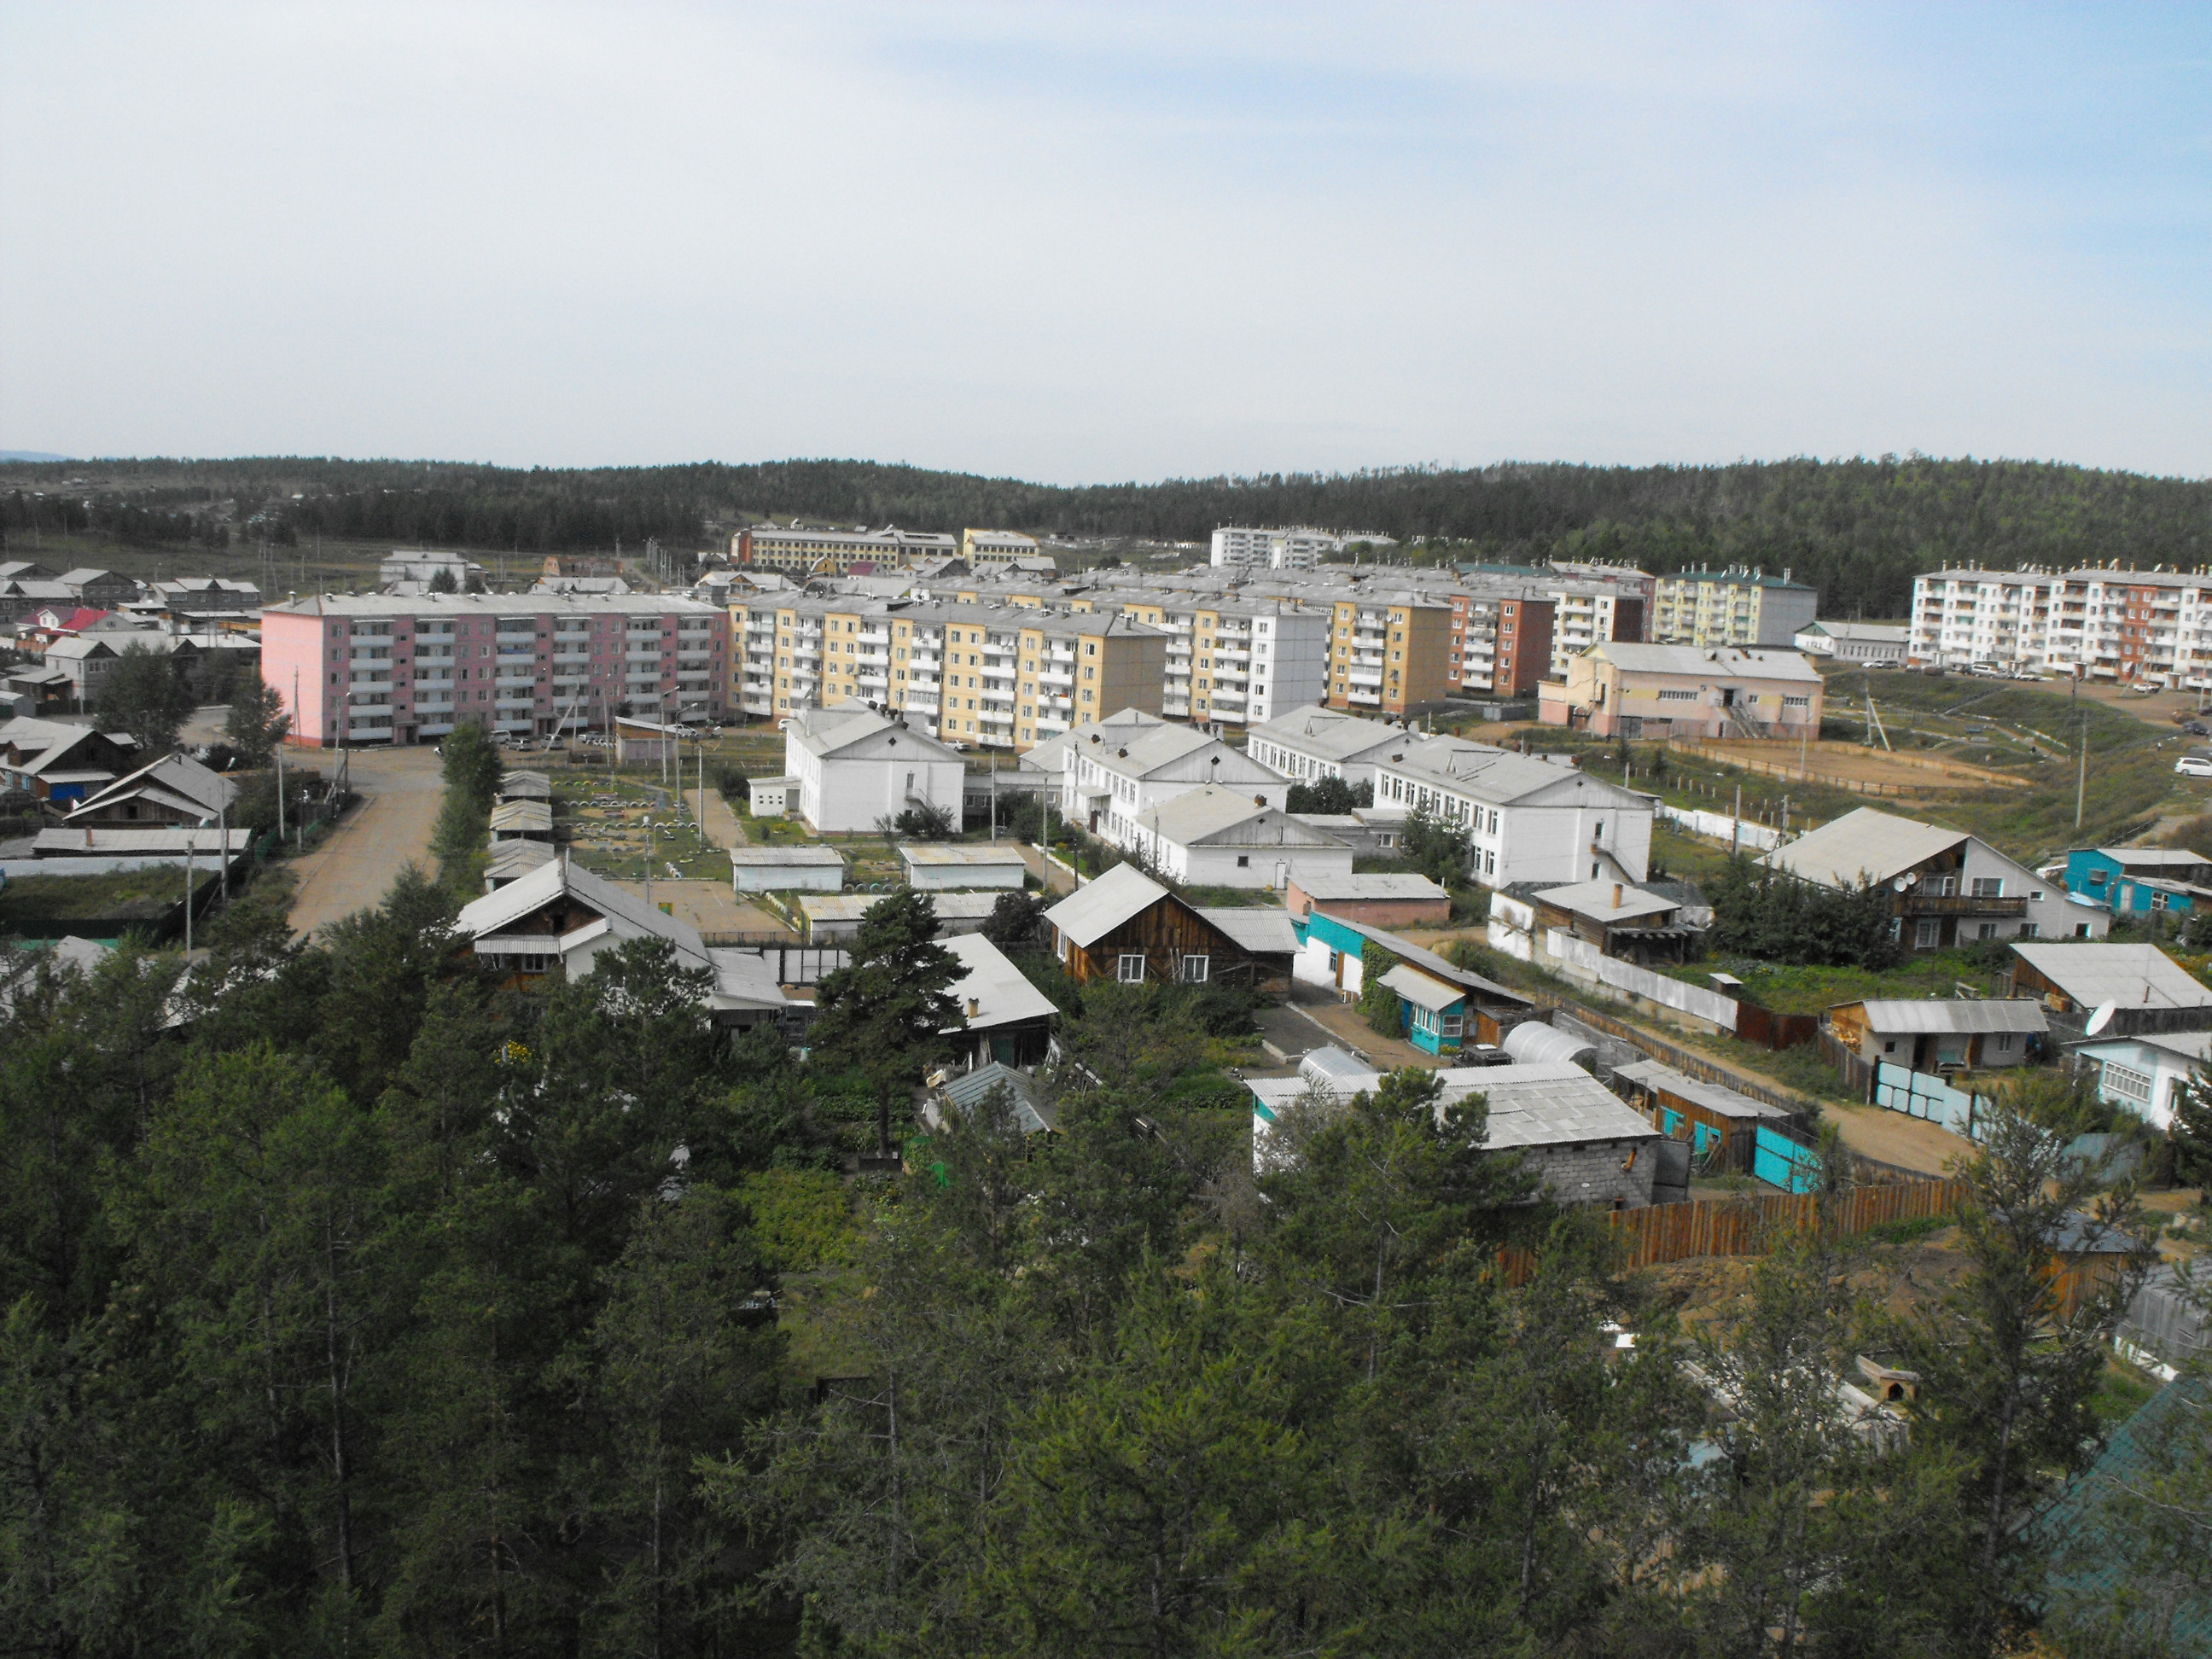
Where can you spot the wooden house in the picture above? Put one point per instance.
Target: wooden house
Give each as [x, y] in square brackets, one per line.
[1932, 1034]
[1721, 1125]
[174, 789]
[2146, 989]
[1621, 918]
[1126, 926]
[1334, 950]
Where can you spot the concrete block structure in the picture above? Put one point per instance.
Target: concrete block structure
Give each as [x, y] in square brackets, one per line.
[381, 668]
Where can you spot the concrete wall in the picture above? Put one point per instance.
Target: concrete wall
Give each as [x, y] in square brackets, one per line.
[1590, 1173]
[1757, 837]
[1580, 959]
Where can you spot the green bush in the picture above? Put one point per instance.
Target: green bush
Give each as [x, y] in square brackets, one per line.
[802, 1219]
[1378, 1003]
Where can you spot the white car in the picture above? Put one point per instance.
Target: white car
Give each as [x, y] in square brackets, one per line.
[2194, 765]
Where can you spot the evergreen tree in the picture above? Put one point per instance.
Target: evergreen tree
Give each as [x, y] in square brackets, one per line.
[145, 695]
[2190, 1132]
[257, 722]
[889, 1012]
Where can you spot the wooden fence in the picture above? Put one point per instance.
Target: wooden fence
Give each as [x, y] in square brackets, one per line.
[1748, 1226]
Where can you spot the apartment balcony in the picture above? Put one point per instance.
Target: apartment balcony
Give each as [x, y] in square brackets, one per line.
[1959, 904]
[1365, 698]
[370, 679]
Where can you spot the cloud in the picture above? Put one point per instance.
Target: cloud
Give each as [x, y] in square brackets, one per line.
[1083, 243]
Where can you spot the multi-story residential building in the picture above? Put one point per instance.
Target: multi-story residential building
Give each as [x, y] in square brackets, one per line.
[2142, 627]
[1299, 547]
[1529, 820]
[1680, 691]
[995, 677]
[1390, 652]
[1739, 606]
[817, 551]
[1232, 661]
[383, 668]
[1501, 643]
[993, 549]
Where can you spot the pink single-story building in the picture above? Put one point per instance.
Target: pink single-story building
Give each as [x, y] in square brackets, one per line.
[1377, 901]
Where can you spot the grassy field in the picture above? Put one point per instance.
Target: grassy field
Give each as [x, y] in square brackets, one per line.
[1809, 990]
[614, 825]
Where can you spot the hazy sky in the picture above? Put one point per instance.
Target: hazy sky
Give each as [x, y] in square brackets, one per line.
[1083, 243]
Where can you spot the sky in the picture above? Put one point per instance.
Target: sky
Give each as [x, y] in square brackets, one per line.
[1092, 243]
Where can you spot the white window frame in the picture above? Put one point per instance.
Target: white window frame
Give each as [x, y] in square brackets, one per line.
[1197, 969]
[1927, 933]
[2125, 1081]
[1122, 967]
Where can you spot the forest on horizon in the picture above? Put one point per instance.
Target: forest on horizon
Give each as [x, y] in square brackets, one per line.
[1859, 530]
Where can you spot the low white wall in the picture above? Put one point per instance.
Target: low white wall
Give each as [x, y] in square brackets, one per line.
[1580, 959]
[1758, 837]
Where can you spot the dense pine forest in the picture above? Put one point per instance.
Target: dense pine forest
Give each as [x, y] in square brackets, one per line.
[1858, 529]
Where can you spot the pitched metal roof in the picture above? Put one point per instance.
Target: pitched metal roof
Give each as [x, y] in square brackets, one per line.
[1417, 988]
[959, 857]
[1863, 844]
[1262, 930]
[1595, 899]
[1934, 1015]
[1002, 993]
[509, 904]
[784, 857]
[968, 1090]
[1711, 1096]
[1482, 772]
[1322, 886]
[2132, 975]
[1095, 909]
[1218, 815]
[1326, 733]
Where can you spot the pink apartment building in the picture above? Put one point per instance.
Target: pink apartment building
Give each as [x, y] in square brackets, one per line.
[405, 670]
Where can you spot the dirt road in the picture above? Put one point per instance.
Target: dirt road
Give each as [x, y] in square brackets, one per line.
[401, 791]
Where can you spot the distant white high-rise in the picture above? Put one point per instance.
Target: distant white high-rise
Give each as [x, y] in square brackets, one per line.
[1299, 547]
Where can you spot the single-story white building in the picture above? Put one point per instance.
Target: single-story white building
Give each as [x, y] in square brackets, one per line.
[951, 868]
[787, 869]
[1222, 837]
[771, 798]
[2140, 1072]
[834, 918]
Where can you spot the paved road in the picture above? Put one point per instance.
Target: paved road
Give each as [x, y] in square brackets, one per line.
[401, 791]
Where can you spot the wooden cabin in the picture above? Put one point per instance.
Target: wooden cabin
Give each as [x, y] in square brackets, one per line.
[1125, 927]
[1721, 1125]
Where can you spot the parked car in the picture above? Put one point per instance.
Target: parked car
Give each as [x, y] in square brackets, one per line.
[2197, 728]
[2194, 765]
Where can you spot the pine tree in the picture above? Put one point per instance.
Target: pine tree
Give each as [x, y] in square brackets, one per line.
[257, 722]
[889, 1012]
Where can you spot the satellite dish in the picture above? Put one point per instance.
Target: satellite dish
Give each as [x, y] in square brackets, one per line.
[1902, 883]
[2101, 1018]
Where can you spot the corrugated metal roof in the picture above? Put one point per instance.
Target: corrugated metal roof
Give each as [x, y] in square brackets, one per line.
[1713, 663]
[1932, 1016]
[968, 1090]
[1711, 1096]
[1321, 884]
[1331, 1067]
[943, 856]
[1326, 734]
[1264, 932]
[1863, 845]
[1595, 899]
[1002, 993]
[522, 815]
[1091, 911]
[1218, 815]
[784, 857]
[1417, 987]
[2131, 975]
[1548, 1103]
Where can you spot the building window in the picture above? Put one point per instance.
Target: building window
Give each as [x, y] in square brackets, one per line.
[1195, 970]
[1989, 886]
[2126, 1080]
[1129, 968]
[1925, 932]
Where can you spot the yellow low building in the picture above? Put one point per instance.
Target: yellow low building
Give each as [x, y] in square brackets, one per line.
[1658, 691]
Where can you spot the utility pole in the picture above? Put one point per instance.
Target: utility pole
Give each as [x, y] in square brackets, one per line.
[2081, 779]
[280, 786]
[1736, 824]
[189, 838]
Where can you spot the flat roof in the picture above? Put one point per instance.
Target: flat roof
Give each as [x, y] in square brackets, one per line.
[786, 857]
[940, 853]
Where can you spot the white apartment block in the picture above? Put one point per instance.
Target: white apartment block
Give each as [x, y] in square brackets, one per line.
[1300, 547]
[1232, 661]
[2146, 626]
[1738, 606]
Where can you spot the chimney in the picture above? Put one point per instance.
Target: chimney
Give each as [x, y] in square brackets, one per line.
[974, 1006]
[1616, 895]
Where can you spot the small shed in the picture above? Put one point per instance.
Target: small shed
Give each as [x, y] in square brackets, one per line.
[1621, 919]
[1934, 1034]
[834, 918]
[646, 743]
[787, 869]
[959, 1095]
[525, 785]
[511, 859]
[955, 867]
[771, 798]
[522, 820]
[1721, 1125]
